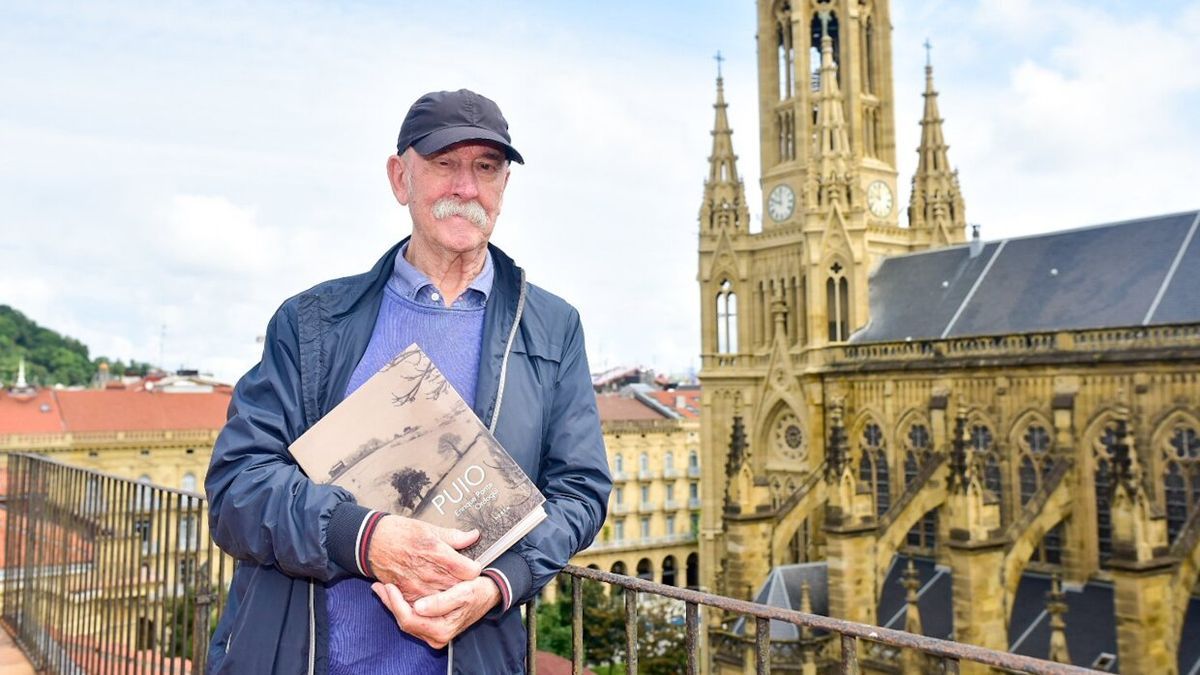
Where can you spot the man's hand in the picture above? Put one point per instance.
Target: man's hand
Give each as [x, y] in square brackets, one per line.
[439, 618]
[418, 558]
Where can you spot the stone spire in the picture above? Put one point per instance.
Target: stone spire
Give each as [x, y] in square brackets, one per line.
[724, 207]
[936, 212]
[912, 662]
[912, 612]
[828, 175]
[807, 649]
[1056, 606]
[21, 383]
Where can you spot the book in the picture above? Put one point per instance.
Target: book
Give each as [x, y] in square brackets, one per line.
[406, 443]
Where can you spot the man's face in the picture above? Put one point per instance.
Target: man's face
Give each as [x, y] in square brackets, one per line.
[454, 195]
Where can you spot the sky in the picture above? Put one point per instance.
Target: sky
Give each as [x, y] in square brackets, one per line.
[171, 172]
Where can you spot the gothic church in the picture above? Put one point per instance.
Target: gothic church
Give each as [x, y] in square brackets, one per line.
[920, 430]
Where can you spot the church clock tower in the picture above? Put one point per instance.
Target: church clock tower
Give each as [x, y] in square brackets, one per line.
[790, 33]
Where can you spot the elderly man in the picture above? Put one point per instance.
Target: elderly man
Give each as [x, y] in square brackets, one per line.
[324, 585]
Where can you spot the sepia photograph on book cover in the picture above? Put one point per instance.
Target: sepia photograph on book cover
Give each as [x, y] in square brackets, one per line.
[406, 443]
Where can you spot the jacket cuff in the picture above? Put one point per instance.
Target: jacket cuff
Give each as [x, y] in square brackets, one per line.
[511, 573]
[348, 536]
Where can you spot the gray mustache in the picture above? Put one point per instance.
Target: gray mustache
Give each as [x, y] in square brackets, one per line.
[472, 211]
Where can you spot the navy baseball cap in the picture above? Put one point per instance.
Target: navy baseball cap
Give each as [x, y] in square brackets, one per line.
[440, 119]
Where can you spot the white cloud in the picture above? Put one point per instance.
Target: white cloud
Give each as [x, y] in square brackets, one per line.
[192, 165]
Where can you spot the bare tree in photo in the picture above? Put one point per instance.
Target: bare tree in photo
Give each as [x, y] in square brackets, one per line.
[408, 483]
[423, 372]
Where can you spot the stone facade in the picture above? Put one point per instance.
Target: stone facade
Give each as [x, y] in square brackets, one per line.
[1068, 450]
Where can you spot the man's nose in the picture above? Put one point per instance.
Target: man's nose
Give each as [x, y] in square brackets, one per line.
[466, 184]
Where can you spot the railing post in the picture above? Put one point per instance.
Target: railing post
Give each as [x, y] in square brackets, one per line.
[576, 625]
[692, 618]
[849, 655]
[531, 636]
[631, 631]
[762, 645]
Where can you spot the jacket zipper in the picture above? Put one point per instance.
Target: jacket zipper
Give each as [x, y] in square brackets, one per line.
[512, 335]
[312, 629]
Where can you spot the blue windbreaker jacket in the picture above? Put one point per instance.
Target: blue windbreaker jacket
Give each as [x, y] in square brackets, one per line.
[291, 535]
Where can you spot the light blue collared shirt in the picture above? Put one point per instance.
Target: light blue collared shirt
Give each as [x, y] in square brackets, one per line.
[411, 283]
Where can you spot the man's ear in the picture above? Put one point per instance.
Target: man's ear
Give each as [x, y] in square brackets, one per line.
[397, 171]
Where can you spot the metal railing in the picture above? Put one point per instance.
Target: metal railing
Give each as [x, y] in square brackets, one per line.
[846, 634]
[104, 574]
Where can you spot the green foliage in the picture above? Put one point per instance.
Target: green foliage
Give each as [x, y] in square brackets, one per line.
[661, 633]
[50, 358]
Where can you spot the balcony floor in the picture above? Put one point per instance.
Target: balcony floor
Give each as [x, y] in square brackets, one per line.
[12, 659]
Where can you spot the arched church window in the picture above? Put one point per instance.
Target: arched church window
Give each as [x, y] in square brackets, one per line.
[824, 22]
[1102, 482]
[868, 60]
[837, 303]
[918, 448]
[873, 467]
[1035, 460]
[1181, 477]
[983, 444]
[726, 319]
[786, 52]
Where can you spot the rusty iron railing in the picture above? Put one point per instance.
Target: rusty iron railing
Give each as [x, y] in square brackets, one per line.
[104, 574]
[846, 633]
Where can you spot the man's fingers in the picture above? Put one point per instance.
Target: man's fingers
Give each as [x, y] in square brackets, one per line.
[458, 539]
[442, 603]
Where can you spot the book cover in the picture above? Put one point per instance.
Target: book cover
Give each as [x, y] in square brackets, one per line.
[406, 443]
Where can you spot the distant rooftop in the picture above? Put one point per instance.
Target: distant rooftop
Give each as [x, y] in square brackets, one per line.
[1130, 273]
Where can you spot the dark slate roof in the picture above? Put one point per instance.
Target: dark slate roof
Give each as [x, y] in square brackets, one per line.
[1136, 272]
[782, 589]
[1090, 618]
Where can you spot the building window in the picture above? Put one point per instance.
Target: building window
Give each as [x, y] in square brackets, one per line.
[644, 463]
[188, 484]
[645, 494]
[785, 51]
[620, 496]
[1181, 478]
[669, 460]
[693, 490]
[670, 525]
[922, 538]
[726, 319]
[1036, 460]
[837, 304]
[983, 444]
[619, 530]
[693, 460]
[918, 450]
[670, 492]
[618, 464]
[1102, 482]
[873, 467]
[645, 527]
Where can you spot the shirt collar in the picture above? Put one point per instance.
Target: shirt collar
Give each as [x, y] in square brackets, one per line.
[411, 283]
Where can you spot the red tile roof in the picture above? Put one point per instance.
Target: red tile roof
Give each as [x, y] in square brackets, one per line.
[51, 411]
[617, 408]
[686, 402]
[36, 414]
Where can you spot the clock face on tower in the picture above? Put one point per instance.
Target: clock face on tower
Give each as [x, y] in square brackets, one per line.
[879, 198]
[781, 202]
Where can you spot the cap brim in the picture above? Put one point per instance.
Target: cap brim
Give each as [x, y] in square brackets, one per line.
[444, 138]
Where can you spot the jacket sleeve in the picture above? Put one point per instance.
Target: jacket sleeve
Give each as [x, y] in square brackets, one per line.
[574, 478]
[261, 505]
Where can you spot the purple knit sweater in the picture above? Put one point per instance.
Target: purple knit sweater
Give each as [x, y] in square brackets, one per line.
[363, 636]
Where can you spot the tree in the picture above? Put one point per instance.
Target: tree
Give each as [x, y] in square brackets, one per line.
[408, 483]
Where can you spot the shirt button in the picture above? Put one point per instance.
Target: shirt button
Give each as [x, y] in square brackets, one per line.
[435, 297]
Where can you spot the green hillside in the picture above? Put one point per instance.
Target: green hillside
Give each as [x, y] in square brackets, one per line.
[50, 358]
